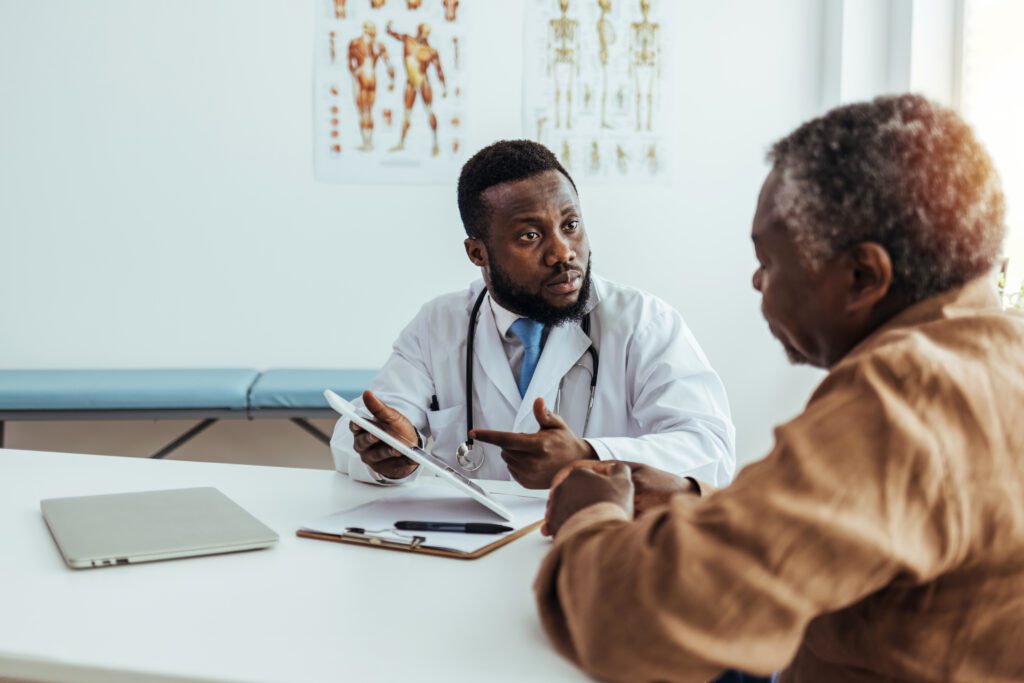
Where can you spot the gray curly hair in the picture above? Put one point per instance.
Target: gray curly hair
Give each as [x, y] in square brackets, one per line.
[900, 171]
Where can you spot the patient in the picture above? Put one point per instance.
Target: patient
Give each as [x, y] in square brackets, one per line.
[882, 539]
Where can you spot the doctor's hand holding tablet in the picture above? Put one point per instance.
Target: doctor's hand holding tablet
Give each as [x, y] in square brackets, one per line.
[378, 456]
[532, 459]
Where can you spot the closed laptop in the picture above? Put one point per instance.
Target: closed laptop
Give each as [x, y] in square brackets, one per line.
[125, 528]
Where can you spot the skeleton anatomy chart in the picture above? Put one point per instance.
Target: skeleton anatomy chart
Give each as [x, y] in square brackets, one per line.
[593, 86]
[388, 99]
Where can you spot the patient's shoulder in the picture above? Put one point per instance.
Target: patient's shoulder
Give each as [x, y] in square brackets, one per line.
[965, 353]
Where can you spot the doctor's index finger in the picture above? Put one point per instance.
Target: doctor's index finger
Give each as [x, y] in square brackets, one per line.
[508, 440]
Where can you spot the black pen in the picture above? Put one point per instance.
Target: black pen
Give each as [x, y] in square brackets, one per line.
[459, 527]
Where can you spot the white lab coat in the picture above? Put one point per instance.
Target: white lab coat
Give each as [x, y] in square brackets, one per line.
[658, 401]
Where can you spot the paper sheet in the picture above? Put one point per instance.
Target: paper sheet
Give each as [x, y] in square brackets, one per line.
[434, 502]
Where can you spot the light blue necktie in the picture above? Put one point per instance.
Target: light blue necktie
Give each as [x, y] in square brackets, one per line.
[529, 332]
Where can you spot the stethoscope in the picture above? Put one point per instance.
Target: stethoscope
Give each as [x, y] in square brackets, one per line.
[472, 460]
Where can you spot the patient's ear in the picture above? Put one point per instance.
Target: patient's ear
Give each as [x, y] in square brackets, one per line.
[869, 275]
[476, 251]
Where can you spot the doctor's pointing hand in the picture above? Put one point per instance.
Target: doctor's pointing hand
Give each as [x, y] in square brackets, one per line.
[533, 459]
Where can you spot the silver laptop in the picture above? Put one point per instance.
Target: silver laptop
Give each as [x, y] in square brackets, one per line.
[124, 528]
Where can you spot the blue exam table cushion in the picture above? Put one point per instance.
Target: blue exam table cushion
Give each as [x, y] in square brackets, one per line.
[305, 388]
[125, 389]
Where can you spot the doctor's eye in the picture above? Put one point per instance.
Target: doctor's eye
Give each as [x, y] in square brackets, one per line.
[572, 226]
[529, 236]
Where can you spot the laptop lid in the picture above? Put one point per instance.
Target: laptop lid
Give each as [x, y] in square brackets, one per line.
[123, 528]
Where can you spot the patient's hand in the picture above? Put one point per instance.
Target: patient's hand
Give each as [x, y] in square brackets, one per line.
[654, 487]
[378, 456]
[651, 487]
[579, 487]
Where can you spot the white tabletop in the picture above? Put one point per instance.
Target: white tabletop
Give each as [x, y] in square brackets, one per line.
[305, 610]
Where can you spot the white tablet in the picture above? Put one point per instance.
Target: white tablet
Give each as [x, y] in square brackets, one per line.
[419, 456]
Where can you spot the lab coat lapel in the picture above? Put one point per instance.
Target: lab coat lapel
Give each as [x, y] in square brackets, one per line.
[491, 354]
[565, 345]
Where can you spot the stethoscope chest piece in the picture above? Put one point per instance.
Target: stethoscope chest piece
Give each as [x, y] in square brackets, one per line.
[469, 457]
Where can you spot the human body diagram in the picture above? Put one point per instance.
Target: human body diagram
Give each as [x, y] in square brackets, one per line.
[418, 56]
[645, 63]
[594, 84]
[605, 39]
[563, 62]
[363, 54]
[378, 62]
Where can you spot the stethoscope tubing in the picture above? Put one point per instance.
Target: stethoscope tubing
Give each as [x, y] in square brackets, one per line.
[470, 338]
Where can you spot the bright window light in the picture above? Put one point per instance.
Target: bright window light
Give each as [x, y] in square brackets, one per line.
[992, 100]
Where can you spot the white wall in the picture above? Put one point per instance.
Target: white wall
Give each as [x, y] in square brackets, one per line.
[157, 206]
[876, 47]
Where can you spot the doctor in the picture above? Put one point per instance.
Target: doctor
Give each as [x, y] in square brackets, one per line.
[563, 365]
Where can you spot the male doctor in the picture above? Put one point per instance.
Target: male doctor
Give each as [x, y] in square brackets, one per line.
[565, 365]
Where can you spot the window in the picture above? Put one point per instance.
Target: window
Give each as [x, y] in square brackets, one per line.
[992, 101]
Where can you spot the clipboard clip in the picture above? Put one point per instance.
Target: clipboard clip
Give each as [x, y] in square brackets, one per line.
[383, 537]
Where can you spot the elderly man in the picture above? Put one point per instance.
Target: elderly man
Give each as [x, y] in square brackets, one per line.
[883, 537]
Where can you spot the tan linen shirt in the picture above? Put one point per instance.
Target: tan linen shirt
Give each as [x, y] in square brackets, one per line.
[881, 540]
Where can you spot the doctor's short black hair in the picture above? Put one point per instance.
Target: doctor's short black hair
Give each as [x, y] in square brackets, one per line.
[505, 161]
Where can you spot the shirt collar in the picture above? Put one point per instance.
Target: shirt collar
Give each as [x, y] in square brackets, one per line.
[970, 299]
[503, 318]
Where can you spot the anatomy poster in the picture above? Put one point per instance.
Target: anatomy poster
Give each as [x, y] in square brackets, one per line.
[388, 99]
[594, 86]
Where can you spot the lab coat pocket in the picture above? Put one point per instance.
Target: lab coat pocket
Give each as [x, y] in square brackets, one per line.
[447, 429]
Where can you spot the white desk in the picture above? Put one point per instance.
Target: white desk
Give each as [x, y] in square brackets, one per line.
[305, 610]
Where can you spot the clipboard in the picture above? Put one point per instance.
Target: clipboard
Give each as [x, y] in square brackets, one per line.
[415, 545]
[372, 524]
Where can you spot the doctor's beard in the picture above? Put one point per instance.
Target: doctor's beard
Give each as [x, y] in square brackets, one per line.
[518, 300]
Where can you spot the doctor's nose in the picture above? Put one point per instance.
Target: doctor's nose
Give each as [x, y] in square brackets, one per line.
[560, 251]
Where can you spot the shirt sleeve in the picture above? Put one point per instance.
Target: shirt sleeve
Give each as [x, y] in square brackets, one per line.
[854, 496]
[405, 384]
[678, 403]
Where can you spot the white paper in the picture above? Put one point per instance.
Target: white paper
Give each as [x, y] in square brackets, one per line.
[433, 502]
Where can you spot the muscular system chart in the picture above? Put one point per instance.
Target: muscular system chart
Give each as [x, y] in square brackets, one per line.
[388, 94]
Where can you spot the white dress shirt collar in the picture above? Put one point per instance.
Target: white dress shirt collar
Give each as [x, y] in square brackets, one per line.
[503, 318]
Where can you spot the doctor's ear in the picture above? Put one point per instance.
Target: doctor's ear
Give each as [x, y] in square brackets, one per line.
[476, 251]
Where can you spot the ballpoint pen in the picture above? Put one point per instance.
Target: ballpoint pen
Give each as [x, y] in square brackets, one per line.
[459, 527]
